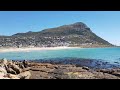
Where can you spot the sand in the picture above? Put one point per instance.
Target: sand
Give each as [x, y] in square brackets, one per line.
[34, 48]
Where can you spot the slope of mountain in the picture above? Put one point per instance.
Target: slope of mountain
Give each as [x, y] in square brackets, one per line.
[77, 34]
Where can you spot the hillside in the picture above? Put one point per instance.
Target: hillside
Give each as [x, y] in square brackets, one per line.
[77, 34]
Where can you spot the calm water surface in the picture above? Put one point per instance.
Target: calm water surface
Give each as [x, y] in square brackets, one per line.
[106, 54]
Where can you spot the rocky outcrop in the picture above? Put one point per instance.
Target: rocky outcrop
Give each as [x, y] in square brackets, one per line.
[61, 71]
[13, 70]
[24, 75]
[35, 70]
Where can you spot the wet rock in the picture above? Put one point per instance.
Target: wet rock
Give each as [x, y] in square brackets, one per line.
[55, 67]
[106, 71]
[86, 68]
[116, 74]
[116, 62]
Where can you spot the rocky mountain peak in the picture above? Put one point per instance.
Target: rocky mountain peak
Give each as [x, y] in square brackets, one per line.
[79, 25]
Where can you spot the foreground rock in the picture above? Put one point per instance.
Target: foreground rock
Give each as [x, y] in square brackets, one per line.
[24, 75]
[13, 70]
[34, 70]
[59, 71]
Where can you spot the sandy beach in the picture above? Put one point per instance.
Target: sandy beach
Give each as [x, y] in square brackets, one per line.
[34, 48]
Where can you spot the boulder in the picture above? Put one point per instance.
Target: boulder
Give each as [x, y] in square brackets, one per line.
[21, 66]
[116, 74]
[86, 68]
[3, 62]
[25, 63]
[3, 70]
[10, 70]
[24, 75]
[1, 75]
[16, 68]
[10, 61]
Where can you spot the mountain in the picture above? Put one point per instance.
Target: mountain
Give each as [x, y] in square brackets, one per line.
[73, 35]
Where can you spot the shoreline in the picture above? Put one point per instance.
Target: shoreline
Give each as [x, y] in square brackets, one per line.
[34, 49]
[47, 70]
[28, 49]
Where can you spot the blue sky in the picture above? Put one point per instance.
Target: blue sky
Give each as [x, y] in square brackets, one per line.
[105, 24]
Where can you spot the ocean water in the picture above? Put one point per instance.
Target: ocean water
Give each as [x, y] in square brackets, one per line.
[111, 54]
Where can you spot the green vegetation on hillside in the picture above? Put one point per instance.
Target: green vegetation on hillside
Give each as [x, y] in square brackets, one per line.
[77, 34]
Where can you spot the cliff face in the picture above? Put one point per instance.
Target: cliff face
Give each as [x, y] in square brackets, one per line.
[77, 34]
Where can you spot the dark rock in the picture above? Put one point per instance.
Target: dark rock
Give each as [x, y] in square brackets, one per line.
[116, 62]
[109, 71]
[21, 66]
[116, 74]
[16, 68]
[25, 63]
[10, 70]
[86, 68]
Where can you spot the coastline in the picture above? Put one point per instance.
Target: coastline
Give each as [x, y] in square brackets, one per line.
[34, 49]
[28, 49]
[51, 70]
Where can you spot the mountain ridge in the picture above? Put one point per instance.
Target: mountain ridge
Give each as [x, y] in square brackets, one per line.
[76, 35]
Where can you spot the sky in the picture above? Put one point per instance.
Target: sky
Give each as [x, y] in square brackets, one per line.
[105, 24]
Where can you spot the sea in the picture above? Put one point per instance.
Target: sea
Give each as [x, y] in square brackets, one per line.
[109, 54]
